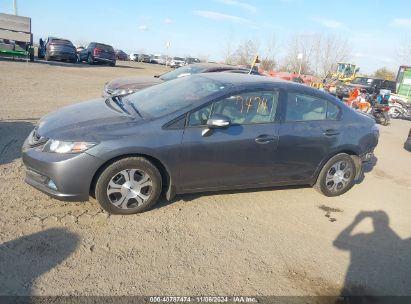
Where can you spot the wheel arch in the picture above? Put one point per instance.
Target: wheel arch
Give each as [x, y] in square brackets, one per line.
[351, 152]
[167, 185]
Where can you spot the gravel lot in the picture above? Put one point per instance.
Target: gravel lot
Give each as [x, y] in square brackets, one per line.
[282, 241]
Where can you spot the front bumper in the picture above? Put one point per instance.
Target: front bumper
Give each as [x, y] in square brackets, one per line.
[71, 174]
[367, 157]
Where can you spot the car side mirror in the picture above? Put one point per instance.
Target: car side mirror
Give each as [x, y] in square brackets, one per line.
[357, 69]
[218, 122]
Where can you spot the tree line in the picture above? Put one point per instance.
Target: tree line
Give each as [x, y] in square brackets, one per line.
[319, 54]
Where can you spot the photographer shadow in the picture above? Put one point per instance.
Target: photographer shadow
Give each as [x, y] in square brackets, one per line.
[380, 261]
[25, 259]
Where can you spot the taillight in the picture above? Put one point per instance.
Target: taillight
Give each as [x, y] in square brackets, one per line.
[386, 109]
[97, 51]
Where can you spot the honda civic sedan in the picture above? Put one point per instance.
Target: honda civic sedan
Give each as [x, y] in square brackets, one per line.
[205, 132]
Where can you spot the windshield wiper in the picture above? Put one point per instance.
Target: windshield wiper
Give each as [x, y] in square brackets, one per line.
[119, 102]
[134, 108]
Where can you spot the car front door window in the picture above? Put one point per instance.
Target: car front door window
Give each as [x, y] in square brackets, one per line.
[245, 108]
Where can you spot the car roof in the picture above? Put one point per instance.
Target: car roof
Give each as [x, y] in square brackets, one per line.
[239, 80]
[215, 65]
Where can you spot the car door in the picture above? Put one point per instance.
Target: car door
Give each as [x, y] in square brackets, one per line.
[309, 130]
[84, 53]
[242, 154]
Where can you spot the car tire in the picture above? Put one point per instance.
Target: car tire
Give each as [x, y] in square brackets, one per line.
[112, 64]
[128, 186]
[90, 59]
[337, 176]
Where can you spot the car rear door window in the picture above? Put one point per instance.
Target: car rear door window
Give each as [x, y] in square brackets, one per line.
[301, 107]
[333, 112]
[245, 108]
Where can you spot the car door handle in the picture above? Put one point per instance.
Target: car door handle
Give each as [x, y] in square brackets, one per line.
[265, 139]
[331, 132]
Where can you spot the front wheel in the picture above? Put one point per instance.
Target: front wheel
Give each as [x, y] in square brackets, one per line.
[130, 185]
[337, 175]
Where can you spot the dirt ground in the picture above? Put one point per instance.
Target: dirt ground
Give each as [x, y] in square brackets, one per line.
[281, 241]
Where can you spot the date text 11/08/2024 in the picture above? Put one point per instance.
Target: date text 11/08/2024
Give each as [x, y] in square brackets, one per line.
[203, 299]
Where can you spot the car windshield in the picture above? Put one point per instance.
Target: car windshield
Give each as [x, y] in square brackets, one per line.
[171, 96]
[362, 81]
[185, 70]
[178, 58]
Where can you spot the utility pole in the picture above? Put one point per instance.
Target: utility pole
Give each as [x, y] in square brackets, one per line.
[15, 7]
[300, 58]
[168, 44]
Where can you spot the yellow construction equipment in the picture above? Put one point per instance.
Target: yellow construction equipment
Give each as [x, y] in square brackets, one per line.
[345, 72]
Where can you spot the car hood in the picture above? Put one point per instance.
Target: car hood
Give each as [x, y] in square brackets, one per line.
[93, 120]
[132, 83]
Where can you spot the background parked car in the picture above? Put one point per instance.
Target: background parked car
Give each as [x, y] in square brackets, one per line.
[144, 58]
[177, 62]
[98, 52]
[371, 85]
[134, 57]
[128, 85]
[155, 59]
[162, 60]
[79, 49]
[120, 55]
[190, 60]
[57, 49]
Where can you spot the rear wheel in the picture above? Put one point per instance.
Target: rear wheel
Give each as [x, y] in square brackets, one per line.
[130, 185]
[337, 175]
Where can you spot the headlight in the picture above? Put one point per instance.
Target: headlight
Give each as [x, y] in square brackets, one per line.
[58, 146]
[120, 92]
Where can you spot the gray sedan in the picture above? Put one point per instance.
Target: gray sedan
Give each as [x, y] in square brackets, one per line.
[204, 132]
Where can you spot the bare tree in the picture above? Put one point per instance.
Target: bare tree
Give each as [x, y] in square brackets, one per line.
[228, 50]
[269, 57]
[319, 52]
[81, 42]
[246, 52]
[404, 51]
[331, 50]
[299, 44]
[384, 73]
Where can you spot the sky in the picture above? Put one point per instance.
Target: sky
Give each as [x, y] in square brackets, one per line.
[374, 29]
